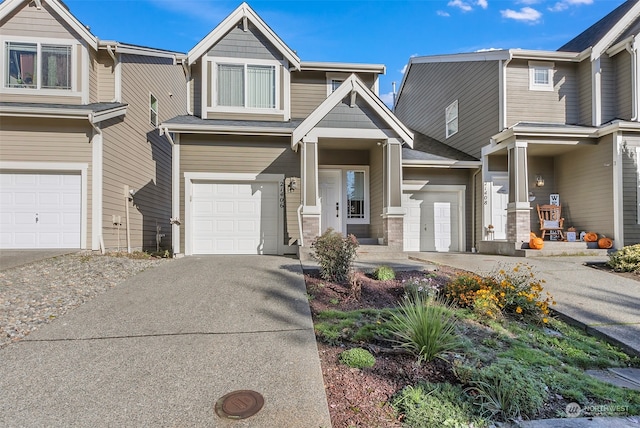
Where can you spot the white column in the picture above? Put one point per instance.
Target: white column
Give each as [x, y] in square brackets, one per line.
[175, 194]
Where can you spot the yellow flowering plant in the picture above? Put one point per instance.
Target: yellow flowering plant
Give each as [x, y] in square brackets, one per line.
[507, 291]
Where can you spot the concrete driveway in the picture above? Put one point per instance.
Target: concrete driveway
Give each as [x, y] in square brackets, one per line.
[162, 348]
[15, 258]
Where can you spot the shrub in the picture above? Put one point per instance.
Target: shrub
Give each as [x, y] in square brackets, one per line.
[508, 391]
[425, 327]
[357, 358]
[429, 405]
[384, 273]
[514, 292]
[626, 259]
[335, 254]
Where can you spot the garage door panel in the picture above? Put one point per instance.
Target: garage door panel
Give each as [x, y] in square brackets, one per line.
[244, 216]
[432, 222]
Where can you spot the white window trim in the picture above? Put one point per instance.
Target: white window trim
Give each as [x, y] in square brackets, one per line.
[156, 111]
[335, 76]
[213, 63]
[75, 72]
[537, 65]
[447, 122]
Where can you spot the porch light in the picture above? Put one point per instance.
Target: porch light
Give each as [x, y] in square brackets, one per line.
[539, 181]
[293, 185]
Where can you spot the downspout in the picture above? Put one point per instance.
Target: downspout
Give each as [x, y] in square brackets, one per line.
[299, 211]
[97, 241]
[175, 192]
[117, 84]
[187, 75]
[632, 48]
[503, 92]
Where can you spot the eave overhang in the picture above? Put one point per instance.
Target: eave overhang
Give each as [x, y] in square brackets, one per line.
[63, 113]
[178, 128]
[441, 164]
[343, 67]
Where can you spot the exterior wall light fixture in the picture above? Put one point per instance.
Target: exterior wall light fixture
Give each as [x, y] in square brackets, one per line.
[539, 181]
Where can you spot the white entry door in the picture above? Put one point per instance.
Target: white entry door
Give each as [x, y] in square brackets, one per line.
[330, 188]
[499, 201]
[432, 221]
[40, 211]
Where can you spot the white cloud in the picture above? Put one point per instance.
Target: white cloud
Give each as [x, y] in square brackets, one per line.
[489, 50]
[442, 13]
[387, 99]
[462, 5]
[483, 3]
[566, 4]
[404, 69]
[526, 14]
[529, 2]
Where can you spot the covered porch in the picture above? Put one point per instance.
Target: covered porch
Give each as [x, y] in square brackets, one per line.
[531, 165]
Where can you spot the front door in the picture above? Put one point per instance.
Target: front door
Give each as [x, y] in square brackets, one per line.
[499, 201]
[330, 187]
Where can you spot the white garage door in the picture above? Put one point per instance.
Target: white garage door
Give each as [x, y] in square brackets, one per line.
[432, 221]
[235, 218]
[40, 210]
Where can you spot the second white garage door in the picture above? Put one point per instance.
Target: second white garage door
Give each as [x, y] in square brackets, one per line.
[235, 217]
[432, 221]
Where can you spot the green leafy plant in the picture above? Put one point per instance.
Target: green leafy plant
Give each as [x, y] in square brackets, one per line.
[425, 327]
[358, 358]
[384, 273]
[429, 405]
[626, 259]
[335, 255]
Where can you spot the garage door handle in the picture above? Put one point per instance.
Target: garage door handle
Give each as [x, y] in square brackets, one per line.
[337, 209]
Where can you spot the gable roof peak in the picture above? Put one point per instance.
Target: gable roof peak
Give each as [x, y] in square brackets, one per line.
[244, 11]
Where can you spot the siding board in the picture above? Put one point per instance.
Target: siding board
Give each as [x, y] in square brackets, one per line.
[245, 44]
[23, 22]
[630, 190]
[584, 93]
[622, 67]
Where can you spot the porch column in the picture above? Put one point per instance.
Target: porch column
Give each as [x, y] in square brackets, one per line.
[392, 211]
[519, 208]
[310, 202]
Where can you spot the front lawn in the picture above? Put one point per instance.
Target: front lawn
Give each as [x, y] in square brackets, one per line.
[505, 357]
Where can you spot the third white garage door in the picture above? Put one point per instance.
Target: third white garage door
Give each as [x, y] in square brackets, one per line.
[432, 221]
[235, 217]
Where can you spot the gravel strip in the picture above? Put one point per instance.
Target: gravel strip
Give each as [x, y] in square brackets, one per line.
[37, 293]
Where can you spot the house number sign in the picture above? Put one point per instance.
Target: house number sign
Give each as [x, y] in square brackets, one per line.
[281, 185]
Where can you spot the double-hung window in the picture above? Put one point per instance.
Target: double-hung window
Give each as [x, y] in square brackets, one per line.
[246, 85]
[153, 110]
[35, 65]
[540, 76]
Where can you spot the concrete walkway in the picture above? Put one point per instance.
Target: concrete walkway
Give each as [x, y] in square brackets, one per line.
[603, 303]
[162, 348]
[15, 258]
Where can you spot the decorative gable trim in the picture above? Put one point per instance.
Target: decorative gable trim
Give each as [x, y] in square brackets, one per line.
[8, 6]
[605, 42]
[242, 13]
[353, 87]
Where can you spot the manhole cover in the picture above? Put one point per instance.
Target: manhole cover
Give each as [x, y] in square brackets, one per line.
[239, 404]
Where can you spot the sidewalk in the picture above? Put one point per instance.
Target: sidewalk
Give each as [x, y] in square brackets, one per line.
[165, 346]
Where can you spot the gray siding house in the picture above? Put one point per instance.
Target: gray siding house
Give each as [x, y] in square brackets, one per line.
[78, 127]
[540, 123]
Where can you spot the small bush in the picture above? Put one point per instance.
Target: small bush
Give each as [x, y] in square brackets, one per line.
[507, 391]
[429, 405]
[421, 285]
[425, 327]
[335, 254]
[384, 273]
[357, 358]
[626, 259]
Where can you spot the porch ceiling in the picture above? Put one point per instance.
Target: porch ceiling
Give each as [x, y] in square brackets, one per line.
[347, 143]
[548, 149]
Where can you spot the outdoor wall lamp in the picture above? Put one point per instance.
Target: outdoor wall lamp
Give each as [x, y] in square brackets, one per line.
[293, 185]
[539, 181]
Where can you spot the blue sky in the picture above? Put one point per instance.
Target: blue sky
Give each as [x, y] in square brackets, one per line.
[382, 32]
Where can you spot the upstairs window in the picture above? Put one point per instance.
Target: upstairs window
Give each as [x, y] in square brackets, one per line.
[153, 110]
[38, 66]
[246, 85]
[451, 119]
[540, 76]
[334, 80]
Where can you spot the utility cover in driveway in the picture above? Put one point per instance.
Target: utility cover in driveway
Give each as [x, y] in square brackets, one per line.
[235, 217]
[239, 404]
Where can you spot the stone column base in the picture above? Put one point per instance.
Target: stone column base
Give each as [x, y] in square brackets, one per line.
[310, 228]
[518, 224]
[393, 229]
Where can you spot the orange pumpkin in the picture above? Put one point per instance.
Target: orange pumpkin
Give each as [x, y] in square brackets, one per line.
[536, 243]
[605, 242]
[591, 237]
[532, 235]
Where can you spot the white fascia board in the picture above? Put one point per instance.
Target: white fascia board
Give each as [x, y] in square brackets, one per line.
[620, 46]
[624, 126]
[615, 32]
[534, 131]
[225, 130]
[545, 55]
[45, 112]
[343, 67]
[352, 83]
[140, 50]
[441, 164]
[101, 116]
[244, 10]
[462, 57]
